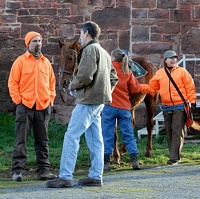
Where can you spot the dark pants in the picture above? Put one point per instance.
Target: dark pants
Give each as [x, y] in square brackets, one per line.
[175, 129]
[25, 120]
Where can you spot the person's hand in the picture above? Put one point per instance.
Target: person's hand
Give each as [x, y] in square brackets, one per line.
[69, 88]
[193, 108]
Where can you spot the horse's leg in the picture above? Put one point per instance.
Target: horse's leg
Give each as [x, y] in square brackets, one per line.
[122, 149]
[116, 154]
[150, 102]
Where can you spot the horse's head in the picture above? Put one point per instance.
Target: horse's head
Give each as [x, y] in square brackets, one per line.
[68, 63]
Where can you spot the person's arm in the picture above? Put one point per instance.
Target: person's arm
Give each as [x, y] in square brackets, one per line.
[190, 87]
[152, 88]
[86, 70]
[113, 78]
[13, 82]
[52, 84]
[133, 84]
[144, 88]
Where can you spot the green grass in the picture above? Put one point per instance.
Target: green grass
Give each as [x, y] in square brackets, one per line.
[190, 154]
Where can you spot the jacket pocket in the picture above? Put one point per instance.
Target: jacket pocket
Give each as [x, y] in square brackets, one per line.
[27, 75]
[44, 75]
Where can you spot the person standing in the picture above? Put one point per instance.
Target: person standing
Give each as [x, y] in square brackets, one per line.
[31, 86]
[172, 104]
[93, 83]
[119, 109]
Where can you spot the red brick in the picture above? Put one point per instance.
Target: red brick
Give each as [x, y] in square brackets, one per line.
[2, 4]
[144, 3]
[190, 42]
[197, 12]
[139, 13]
[156, 37]
[108, 3]
[114, 18]
[172, 28]
[150, 48]
[140, 33]
[180, 15]
[165, 4]
[159, 13]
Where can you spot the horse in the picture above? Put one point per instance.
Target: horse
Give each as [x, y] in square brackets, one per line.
[69, 67]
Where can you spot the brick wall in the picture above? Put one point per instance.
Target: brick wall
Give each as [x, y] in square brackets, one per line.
[146, 28]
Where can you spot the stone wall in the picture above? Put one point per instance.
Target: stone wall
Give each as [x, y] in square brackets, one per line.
[146, 28]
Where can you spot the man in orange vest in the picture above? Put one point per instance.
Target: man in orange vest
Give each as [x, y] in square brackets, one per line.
[32, 88]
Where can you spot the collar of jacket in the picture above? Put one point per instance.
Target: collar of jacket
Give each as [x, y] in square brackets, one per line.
[89, 43]
[117, 64]
[172, 68]
[35, 54]
[28, 54]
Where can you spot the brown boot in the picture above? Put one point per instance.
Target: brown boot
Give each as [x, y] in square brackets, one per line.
[59, 183]
[90, 182]
[46, 175]
[134, 160]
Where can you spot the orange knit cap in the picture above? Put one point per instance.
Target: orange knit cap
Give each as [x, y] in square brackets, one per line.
[30, 36]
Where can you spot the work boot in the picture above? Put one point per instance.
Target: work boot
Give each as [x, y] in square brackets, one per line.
[134, 160]
[89, 182]
[59, 183]
[106, 163]
[45, 175]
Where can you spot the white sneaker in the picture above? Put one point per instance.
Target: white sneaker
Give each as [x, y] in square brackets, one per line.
[17, 177]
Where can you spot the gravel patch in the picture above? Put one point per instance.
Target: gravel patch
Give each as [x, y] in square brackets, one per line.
[170, 182]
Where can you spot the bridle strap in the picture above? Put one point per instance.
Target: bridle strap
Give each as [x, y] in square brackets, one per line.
[63, 66]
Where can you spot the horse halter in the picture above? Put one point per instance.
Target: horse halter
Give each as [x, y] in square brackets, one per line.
[63, 70]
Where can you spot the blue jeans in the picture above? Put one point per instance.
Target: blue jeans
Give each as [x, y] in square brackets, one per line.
[85, 118]
[124, 120]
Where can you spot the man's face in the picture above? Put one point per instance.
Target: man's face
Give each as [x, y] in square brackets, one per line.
[35, 44]
[83, 39]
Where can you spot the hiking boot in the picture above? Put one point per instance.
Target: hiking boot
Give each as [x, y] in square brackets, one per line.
[17, 176]
[89, 182]
[173, 162]
[59, 183]
[46, 175]
[106, 163]
[135, 163]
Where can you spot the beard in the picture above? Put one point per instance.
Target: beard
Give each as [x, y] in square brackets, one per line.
[38, 49]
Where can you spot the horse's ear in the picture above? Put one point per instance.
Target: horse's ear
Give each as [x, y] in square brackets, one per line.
[61, 44]
[76, 43]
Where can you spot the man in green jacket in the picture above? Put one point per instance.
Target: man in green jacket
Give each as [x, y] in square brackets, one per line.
[93, 84]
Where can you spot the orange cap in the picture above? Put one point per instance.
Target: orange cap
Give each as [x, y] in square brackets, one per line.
[30, 36]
